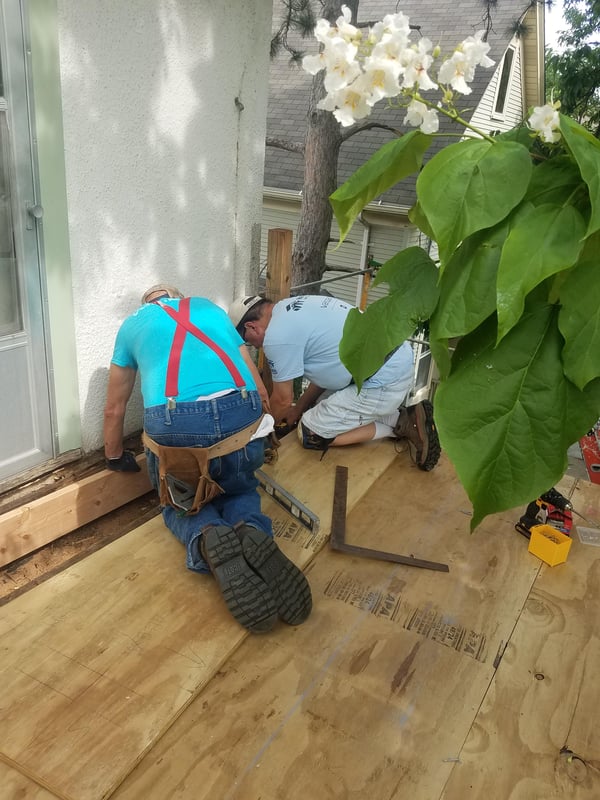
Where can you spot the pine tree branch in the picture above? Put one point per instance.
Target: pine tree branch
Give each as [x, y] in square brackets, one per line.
[367, 126]
[284, 144]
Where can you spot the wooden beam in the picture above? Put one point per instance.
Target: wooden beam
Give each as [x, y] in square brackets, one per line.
[32, 525]
[279, 263]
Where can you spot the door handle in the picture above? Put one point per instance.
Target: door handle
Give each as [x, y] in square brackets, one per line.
[34, 212]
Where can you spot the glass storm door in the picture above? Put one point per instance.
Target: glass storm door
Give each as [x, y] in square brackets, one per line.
[25, 407]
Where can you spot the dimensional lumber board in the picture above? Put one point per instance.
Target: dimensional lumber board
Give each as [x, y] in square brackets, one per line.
[374, 694]
[14, 786]
[98, 661]
[30, 526]
[537, 735]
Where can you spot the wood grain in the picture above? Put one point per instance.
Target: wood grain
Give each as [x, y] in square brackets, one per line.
[375, 694]
[34, 524]
[97, 663]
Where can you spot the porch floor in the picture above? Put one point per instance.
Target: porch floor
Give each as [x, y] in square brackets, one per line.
[124, 676]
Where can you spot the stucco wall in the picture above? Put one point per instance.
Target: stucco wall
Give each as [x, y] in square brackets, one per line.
[164, 109]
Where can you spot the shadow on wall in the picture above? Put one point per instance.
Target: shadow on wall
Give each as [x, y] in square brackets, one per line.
[160, 158]
[93, 406]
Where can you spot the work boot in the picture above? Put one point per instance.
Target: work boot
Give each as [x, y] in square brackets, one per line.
[416, 425]
[246, 594]
[312, 441]
[287, 582]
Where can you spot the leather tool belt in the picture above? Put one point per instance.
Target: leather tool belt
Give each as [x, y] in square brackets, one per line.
[185, 481]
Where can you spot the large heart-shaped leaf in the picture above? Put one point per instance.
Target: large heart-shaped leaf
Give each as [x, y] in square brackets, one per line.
[370, 335]
[468, 284]
[579, 318]
[554, 181]
[543, 242]
[394, 161]
[471, 185]
[507, 414]
[586, 150]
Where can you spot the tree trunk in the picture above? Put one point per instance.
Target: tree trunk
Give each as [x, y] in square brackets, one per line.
[322, 147]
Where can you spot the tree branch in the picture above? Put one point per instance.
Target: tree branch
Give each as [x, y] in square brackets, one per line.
[283, 144]
[366, 127]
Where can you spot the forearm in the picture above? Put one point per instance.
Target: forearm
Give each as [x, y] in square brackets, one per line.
[120, 386]
[113, 432]
[308, 398]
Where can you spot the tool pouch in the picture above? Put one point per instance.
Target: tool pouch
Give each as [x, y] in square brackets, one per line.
[184, 478]
[185, 482]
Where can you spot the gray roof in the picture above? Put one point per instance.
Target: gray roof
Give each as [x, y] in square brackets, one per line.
[289, 86]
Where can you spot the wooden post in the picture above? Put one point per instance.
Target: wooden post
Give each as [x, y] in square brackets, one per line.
[279, 281]
[366, 282]
[279, 263]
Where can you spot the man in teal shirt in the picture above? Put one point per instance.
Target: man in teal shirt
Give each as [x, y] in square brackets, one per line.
[199, 387]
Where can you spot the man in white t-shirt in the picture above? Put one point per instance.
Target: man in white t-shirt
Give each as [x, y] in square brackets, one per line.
[300, 337]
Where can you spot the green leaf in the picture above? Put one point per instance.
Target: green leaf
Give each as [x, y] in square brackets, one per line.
[471, 185]
[418, 218]
[522, 135]
[507, 414]
[543, 242]
[410, 271]
[468, 284]
[586, 151]
[396, 160]
[370, 335]
[553, 181]
[440, 352]
[579, 318]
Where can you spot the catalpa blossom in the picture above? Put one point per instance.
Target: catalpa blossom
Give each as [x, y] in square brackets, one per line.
[459, 69]
[418, 115]
[415, 62]
[545, 121]
[362, 69]
[348, 104]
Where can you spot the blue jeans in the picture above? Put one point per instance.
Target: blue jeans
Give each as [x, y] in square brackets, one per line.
[200, 424]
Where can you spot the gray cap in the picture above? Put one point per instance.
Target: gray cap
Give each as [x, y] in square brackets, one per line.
[240, 307]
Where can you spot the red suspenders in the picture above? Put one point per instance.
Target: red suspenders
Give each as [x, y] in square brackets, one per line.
[185, 326]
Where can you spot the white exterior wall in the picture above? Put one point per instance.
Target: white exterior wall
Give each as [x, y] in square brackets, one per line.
[164, 114]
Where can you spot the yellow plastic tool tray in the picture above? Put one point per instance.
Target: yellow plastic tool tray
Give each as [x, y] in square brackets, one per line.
[549, 544]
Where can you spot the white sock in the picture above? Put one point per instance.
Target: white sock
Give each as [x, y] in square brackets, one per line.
[383, 431]
[390, 419]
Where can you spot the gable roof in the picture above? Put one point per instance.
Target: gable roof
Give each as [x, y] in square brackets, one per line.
[447, 24]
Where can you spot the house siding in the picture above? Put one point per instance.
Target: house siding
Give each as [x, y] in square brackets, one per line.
[385, 239]
[484, 118]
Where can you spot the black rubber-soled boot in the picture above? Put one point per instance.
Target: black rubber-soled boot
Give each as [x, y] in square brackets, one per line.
[416, 425]
[246, 594]
[286, 581]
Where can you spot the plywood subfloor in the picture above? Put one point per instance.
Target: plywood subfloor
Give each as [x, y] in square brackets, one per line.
[125, 676]
[96, 663]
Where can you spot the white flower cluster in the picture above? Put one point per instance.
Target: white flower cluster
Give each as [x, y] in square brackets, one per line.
[363, 67]
[545, 120]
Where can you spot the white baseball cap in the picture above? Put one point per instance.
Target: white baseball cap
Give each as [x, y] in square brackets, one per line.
[240, 307]
[160, 290]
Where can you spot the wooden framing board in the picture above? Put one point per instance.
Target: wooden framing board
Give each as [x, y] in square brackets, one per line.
[41, 521]
[97, 662]
[374, 695]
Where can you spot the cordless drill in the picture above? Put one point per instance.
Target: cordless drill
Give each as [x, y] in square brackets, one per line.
[551, 508]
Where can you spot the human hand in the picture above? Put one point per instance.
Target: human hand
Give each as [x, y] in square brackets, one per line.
[124, 463]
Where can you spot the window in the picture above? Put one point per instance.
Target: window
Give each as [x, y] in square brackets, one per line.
[504, 81]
